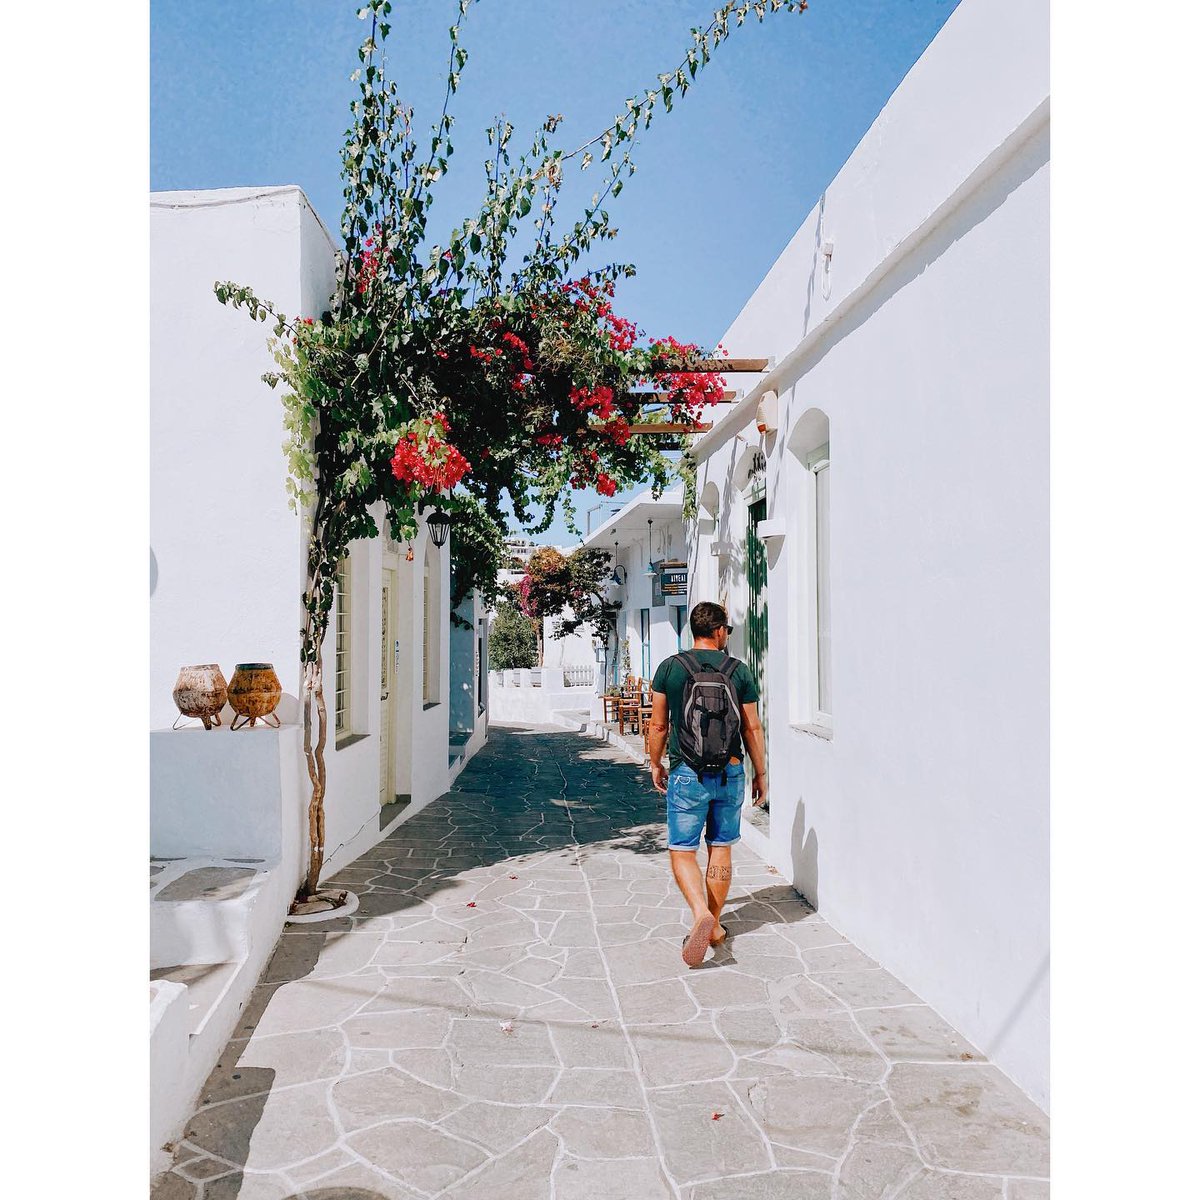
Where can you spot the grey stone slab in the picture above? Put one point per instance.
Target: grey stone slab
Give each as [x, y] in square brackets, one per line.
[412, 992]
[398, 1030]
[597, 1086]
[264, 1063]
[207, 883]
[665, 1002]
[843, 957]
[604, 1133]
[590, 1044]
[523, 1172]
[499, 1127]
[625, 1179]
[874, 1170]
[1020, 1189]
[866, 989]
[831, 1045]
[267, 1132]
[696, 1145]
[358, 1182]
[311, 1004]
[769, 1185]
[427, 1159]
[363, 1100]
[971, 1118]
[669, 1054]
[813, 1113]
[916, 1033]
[937, 1185]
[487, 1043]
[726, 988]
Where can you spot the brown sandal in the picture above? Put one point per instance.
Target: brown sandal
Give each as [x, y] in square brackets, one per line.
[697, 942]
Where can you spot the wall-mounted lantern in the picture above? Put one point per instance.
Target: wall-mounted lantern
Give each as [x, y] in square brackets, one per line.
[439, 527]
[618, 575]
[767, 418]
[649, 547]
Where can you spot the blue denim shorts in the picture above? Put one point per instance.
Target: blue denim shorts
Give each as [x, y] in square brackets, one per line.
[707, 806]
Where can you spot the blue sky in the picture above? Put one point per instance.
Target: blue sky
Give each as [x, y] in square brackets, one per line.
[247, 94]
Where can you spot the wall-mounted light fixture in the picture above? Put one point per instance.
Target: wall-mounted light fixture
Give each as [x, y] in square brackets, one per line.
[649, 547]
[439, 524]
[767, 418]
[618, 575]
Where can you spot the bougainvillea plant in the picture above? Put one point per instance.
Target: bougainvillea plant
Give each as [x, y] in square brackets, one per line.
[485, 367]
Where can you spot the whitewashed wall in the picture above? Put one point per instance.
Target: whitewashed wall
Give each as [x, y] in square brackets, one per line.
[920, 827]
[227, 554]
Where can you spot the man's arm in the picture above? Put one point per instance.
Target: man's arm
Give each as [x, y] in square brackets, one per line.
[658, 740]
[756, 747]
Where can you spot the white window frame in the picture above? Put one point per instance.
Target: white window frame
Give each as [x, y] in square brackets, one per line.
[818, 462]
[343, 646]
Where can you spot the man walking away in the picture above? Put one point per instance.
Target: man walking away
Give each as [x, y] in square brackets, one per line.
[709, 701]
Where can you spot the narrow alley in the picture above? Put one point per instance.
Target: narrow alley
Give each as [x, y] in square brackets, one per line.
[507, 1016]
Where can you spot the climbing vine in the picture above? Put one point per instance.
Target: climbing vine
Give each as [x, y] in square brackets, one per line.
[485, 367]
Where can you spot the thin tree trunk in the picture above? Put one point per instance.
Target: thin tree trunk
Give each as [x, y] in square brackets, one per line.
[315, 691]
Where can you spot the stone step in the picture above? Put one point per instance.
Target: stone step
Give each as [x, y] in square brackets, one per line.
[207, 985]
[200, 909]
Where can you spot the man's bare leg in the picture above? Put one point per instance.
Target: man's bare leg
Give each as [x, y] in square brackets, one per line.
[691, 883]
[718, 878]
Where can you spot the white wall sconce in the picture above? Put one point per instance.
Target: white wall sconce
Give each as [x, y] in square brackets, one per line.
[773, 529]
[827, 262]
[767, 418]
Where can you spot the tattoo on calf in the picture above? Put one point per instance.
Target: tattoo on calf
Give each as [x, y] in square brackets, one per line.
[718, 872]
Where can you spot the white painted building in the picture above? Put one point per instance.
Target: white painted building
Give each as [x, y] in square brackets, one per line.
[405, 686]
[647, 542]
[883, 546]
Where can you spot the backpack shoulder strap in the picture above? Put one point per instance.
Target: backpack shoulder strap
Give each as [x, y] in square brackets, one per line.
[691, 664]
[729, 666]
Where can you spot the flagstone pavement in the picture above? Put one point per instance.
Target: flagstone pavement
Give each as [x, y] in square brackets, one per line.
[507, 1017]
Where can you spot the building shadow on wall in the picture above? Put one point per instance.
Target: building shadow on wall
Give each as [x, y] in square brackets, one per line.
[805, 846]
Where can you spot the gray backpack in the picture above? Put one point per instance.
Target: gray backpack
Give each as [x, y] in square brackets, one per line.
[712, 714]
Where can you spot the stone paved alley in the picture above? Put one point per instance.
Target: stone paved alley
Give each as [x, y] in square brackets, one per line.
[507, 1017]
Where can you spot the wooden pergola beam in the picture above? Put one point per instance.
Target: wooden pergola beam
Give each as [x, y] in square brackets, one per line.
[671, 427]
[705, 365]
[660, 397]
[662, 428]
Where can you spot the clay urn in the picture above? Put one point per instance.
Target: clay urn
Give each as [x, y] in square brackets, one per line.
[254, 693]
[200, 691]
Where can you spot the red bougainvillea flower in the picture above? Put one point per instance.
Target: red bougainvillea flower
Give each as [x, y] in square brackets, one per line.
[606, 485]
[423, 456]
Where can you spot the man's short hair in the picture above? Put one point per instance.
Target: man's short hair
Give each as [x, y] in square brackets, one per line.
[707, 617]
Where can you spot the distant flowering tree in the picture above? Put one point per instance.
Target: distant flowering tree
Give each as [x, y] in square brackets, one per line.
[485, 366]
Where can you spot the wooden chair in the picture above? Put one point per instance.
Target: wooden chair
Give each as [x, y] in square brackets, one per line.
[645, 711]
[629, 704]
[610, 707]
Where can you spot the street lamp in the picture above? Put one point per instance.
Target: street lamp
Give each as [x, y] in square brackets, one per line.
[439, 527]
[649, 547]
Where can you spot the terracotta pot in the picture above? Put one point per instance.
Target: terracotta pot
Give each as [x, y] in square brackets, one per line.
[254, 693]
[201, 691]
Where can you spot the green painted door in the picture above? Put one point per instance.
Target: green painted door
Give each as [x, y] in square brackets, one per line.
[756, 617]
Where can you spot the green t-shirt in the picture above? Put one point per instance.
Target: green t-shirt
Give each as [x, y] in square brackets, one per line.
[670, 679]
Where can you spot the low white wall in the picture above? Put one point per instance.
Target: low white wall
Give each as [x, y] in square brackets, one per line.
[169, 1036]
[920, 825]
[223, 794]
[513, 699]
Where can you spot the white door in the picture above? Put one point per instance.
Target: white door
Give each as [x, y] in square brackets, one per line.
[387, 680]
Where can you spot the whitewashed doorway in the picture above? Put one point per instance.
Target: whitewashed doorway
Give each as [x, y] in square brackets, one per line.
[387, 688]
